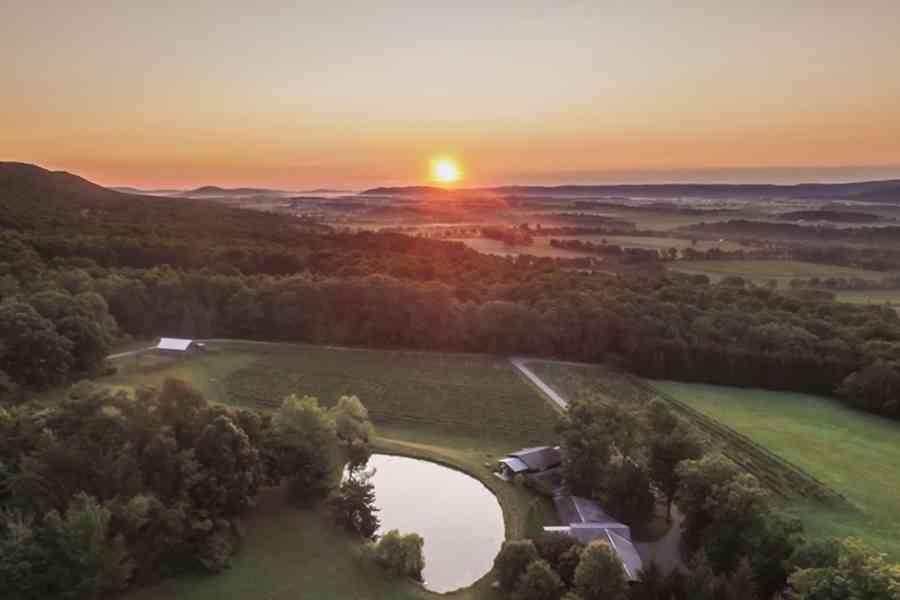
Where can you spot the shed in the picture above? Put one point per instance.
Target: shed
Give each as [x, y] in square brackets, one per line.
[177, 345]
[539, 458]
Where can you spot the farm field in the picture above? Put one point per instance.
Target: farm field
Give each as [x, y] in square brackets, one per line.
[853, 452]
[803, 448]
[289, 550]
[541, 246]
[868, 296]
[474, 395]
[659, 219]
[761, 271]
[656, 243]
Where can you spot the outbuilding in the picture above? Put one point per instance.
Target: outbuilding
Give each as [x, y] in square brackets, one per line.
[178, 345]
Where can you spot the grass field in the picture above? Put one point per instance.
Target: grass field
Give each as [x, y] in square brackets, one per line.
[868, 296]
[855, 453]
[761, 271]
[440, 407]
[786, 481]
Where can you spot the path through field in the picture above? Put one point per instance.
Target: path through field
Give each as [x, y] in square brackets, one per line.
[521, 365]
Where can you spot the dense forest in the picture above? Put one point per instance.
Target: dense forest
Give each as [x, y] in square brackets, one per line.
[81, 265]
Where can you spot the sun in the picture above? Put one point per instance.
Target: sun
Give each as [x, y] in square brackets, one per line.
[445, 170]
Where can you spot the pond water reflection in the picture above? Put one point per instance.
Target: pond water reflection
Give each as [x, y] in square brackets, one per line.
[459, 518]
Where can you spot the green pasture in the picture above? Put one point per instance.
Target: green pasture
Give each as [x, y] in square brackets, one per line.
[855, 453]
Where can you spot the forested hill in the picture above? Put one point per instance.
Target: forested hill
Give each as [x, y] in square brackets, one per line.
[35, 199]
[874, 191]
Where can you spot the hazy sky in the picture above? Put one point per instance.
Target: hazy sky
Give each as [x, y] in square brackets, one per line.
[300, 94]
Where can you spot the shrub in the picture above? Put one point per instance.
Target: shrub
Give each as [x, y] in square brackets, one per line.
[562, 552]
[600, 575]
[401, 555]
[540, 582]
[512, 561]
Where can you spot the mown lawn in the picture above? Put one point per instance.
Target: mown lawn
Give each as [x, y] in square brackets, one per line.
[464, 411]
[855, 453]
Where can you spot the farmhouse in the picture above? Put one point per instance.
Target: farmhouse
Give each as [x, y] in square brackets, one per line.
[179, 345]
[530, 461]
[588, 522]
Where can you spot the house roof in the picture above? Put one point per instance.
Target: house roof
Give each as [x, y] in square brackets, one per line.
[623, 547]
[174, 344]
[515, 465]
[627, 553]
[588, 522]
[539, 458]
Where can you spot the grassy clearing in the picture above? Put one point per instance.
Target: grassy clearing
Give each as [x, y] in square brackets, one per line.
[419, 401]
[855, 453]
[868, 296]
[761, 271]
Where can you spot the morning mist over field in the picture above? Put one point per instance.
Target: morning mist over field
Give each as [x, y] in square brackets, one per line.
[395, 300]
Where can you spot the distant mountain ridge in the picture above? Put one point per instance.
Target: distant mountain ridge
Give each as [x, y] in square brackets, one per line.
[874, 191]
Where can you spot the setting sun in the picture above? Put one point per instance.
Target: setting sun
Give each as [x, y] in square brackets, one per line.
[445, 170]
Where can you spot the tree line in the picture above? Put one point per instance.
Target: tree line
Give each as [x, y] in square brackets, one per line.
[58, 316]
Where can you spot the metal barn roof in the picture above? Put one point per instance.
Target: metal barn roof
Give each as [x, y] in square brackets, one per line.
[515, 465]
[178, 344]
[539, 458]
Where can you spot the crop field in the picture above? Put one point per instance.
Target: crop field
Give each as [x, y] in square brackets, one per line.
[852, 452]
[761, 271]
[471, 395]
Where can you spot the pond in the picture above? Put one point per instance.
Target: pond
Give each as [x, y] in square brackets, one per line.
[458, 517]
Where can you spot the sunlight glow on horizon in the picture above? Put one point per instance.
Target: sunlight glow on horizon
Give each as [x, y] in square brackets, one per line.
[302, 95]
[445, 171]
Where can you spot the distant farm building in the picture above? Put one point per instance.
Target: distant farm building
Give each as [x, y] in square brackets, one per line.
[179, 345]
[587, 522]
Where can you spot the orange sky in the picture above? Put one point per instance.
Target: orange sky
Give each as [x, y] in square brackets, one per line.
[297, 95]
